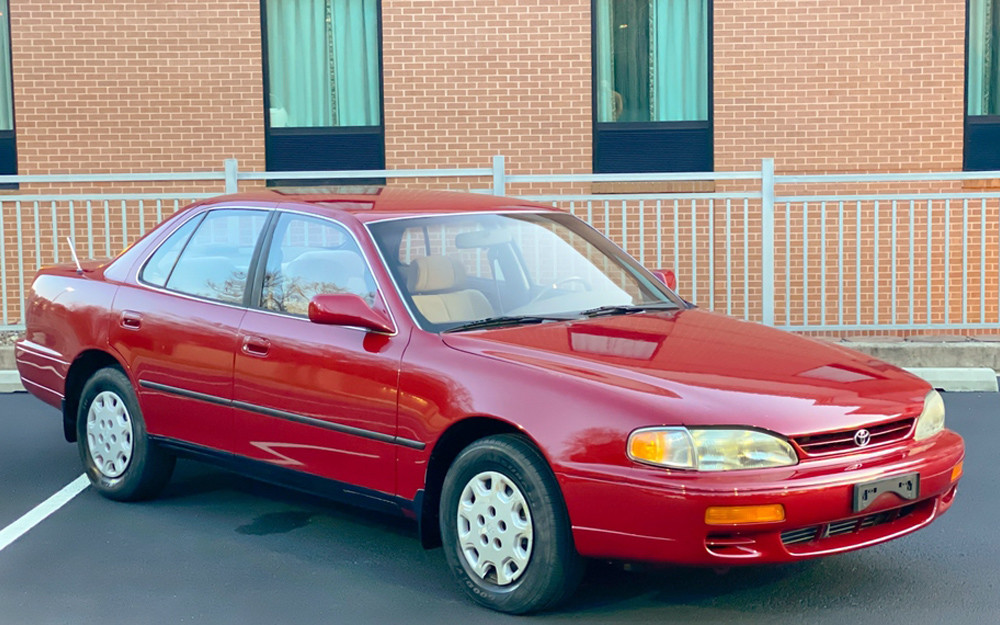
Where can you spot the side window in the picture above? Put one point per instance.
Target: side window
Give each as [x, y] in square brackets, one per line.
[161, 263]
[308, 257]
[215, 261]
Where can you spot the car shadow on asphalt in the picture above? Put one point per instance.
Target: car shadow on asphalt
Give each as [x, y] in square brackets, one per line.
[388, 549]
[835, 583]
[610, 586]
[194, 481]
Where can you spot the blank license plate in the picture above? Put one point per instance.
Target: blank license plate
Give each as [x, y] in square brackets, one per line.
[906, 486]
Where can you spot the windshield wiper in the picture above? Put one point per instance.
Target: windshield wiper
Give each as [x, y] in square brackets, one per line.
[509, 320]
[624, 309]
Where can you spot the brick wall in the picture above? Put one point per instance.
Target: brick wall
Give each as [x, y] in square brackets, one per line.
[822, 86]
[857, 87]
[138, 86]
[110, 87]
[467, 79]
[845, 86]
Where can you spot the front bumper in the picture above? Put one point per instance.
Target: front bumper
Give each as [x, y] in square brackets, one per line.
[643, 514]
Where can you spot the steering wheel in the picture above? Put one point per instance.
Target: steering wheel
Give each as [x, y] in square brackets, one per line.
[557, 286]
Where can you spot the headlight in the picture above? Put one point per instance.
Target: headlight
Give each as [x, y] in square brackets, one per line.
[931, 419]
[709, 449]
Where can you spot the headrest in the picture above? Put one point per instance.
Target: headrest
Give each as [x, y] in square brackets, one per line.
[436, 273]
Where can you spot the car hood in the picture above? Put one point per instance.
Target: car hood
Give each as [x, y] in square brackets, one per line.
[694, 367]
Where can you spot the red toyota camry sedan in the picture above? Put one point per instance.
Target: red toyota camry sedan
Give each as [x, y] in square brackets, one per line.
[496, 370]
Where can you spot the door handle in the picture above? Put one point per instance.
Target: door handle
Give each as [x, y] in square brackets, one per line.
[130, 320]
[256, 346]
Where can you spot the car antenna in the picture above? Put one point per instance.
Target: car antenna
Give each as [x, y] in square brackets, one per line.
[72, 251]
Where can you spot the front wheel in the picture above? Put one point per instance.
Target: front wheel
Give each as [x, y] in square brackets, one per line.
[120, 460]
[505, 529]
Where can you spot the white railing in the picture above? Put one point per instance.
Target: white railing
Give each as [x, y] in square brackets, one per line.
[910, 251]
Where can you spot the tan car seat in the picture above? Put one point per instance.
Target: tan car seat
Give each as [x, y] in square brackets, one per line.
[437, 286]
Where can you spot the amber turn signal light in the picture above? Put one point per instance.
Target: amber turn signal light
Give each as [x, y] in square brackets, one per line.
[738, 515]
[957, 471]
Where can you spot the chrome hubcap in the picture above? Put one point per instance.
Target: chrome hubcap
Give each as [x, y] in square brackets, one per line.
[109, 434]
[494, 528]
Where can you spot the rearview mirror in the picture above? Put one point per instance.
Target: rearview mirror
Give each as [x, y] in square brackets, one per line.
[482, 238]
[347, 310]
[667, 277]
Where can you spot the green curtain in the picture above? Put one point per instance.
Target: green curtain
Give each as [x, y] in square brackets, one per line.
[678, 65]
[323, 63]
[605, 63]
[984, 57]
[652, 60]
[355, 37]
[6, 84]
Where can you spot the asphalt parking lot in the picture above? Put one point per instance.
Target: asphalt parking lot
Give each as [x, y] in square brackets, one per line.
[217, 548]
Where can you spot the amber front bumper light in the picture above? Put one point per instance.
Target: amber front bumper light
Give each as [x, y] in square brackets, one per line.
[739, 515]
[956, 472]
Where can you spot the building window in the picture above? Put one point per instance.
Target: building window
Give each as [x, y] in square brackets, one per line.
[323, 85]
[652, 85]
[8, 144]
[982, 113]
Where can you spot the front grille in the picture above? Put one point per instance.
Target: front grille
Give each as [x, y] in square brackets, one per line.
[845, 526]
[843, 440]
[841, 527]
[804, 535]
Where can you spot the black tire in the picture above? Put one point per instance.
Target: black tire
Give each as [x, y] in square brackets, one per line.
[553, 567]
[145, 469]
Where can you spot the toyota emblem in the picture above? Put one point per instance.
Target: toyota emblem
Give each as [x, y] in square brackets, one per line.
[862, 437]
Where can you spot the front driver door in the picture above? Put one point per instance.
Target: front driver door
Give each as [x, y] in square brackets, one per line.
[316, 398]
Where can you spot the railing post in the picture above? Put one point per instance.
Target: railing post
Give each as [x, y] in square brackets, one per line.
[232, 169]
[767, 240]
[499, 176]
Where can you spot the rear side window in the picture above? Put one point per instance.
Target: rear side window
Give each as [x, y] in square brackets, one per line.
[160, 264]
[216, 259]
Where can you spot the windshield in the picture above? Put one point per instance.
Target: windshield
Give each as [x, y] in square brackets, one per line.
[455, 269]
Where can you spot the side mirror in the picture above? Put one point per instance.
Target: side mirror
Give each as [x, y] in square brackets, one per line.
[667, 277]
[347, 310]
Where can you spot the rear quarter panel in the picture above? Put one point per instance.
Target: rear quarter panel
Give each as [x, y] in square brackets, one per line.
[66, 313]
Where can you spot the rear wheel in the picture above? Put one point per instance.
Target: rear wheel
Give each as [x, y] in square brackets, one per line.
[505, 528]
[120, 460]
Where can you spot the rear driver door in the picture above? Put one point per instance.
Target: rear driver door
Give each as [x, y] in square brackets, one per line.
[177, 327]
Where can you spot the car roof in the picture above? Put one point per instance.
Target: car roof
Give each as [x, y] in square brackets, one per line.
[369, 204]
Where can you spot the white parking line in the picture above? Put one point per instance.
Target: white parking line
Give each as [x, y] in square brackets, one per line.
[40, 512]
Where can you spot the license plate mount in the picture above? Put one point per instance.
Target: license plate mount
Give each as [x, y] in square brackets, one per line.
[906, 486]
